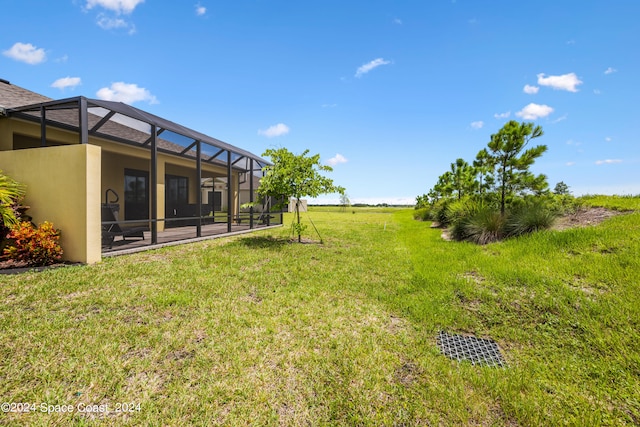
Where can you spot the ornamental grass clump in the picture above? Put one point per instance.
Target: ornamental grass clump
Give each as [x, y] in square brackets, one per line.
[530, 218]
[422, 214]
[484, 226]
[34, 246]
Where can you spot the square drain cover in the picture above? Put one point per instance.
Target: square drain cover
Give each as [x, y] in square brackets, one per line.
[478, 351]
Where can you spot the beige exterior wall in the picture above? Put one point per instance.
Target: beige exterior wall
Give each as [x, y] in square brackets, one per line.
[9, 127]
[6, 135]
[63, 187]
[73, 171]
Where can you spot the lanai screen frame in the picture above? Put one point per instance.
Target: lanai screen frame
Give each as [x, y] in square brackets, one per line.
[234, 155]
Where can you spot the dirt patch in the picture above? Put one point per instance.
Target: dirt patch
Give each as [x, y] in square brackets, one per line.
[396, 324]
[408, 373]
[254, 296]
[305, 241]
[473, 276]
[585, 218]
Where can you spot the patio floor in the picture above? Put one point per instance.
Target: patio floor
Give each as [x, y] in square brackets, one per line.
[178, 236]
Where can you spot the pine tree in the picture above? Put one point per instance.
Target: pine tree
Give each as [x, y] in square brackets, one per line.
[512, 163]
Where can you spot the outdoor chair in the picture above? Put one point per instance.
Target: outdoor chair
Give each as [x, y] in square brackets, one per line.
[113, 228]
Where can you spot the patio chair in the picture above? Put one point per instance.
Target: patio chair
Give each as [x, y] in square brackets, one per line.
[113, 228]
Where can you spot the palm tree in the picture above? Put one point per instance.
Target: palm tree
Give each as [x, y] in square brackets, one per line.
[11, 192]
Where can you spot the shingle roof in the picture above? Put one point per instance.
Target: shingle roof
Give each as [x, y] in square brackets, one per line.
[12, 96]
[15, 97]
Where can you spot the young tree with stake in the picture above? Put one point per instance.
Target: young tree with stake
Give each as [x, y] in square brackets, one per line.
[295, 176]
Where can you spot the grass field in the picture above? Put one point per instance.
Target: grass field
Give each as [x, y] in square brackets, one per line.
[622, 203]
[254, 330]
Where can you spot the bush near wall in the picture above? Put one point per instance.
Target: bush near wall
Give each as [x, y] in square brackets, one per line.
[36, 246]
[11, 209]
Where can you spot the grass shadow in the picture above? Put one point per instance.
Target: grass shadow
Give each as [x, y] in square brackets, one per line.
[263, 242]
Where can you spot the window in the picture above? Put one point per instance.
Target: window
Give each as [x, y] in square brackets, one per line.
[177, 190]
[136, 194]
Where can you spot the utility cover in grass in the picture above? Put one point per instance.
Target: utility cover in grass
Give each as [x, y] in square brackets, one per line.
[478, 351]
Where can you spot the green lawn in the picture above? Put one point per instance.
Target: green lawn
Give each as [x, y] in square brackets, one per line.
[254, 330]
[622, 203]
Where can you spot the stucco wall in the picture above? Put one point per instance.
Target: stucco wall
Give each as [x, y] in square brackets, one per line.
[63, 187]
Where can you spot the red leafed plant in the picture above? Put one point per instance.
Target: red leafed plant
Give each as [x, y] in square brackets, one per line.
[35, 246]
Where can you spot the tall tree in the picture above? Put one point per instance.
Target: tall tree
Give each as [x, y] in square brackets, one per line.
[345, 202]
[562, 189]
[483, 169]
[423, 200]
[512, 161]
[462, 175]
[295, 176]
[443, 188]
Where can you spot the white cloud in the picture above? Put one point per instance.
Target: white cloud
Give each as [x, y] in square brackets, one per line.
[534, 111]
[275, 130]
[118, 6]
[566, 82]
[127, 93]
[608, 161]
[200, 10]
[570, 42]
[560, 119]
[608, 139]
[62, 59]
[108, 23]
[477, 125]
[338, 158]
[610, 70]
[26, 52]
[570, 163]
[531, 90]
[66, 82]
[364, 69]
[329, 105]
[397, 21]
[597, 91]
[572, 142]
[502, 115]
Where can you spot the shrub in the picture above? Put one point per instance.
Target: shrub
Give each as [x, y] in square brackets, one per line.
[35, 246]
[484, 226]
[565, 204]
[439, 212]
[11, 209]
[529, 218]
[11, 192]
[460, 209]
[422, 214]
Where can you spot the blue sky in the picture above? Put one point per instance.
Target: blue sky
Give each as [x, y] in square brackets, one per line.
[388, 92]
